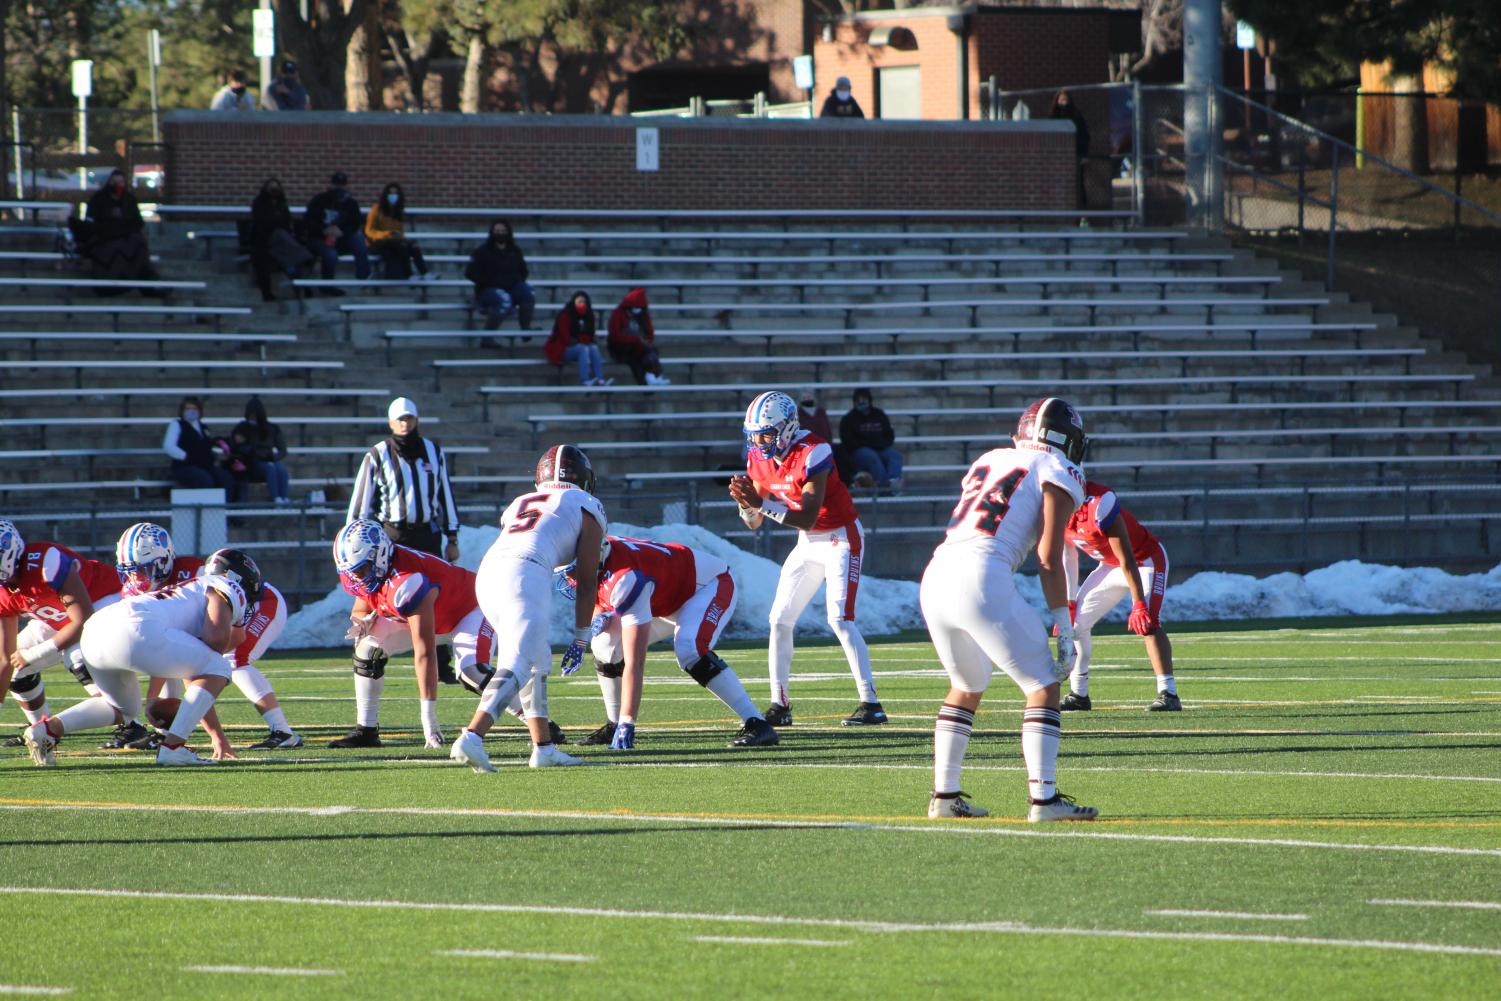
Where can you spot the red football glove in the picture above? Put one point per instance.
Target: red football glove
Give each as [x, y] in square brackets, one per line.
[1073, 615]
[1141, 622]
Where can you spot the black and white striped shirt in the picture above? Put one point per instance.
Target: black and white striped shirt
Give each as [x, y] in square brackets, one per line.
[401, 491]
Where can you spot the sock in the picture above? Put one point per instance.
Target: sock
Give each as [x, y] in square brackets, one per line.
[610, 689]
[429, 716]
[90, 714]
[726, 687]
[277, 720]
[196, 702]
[367, 700]
[1166, 683]
[1078, 679]
[780, 661]
[950, 741]
[32, 715]
[858, 655]
[627, 720]
[1041, 730]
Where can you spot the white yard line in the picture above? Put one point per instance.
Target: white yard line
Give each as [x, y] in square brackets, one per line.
[745, 940]
[543, 957]
[266, 971]
[34, 991]
[1463, 905]
[1236, 915]
[994, 927]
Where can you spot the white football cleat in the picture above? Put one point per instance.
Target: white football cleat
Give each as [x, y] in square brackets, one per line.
[469, 750]
[954, 806]
[180, 755]
[434, 740]
[1060, 807]
[548, 756]
[39, 743]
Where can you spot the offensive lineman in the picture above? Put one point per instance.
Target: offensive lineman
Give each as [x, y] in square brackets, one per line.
[651, 590]
[790, 478]
[182, 631]
[1012, 499]
[1131, 563]
[540, 532]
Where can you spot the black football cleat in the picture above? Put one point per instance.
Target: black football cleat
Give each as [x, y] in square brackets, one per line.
[148, 741]
[555, 733]
[277, 740]
[125, 736]
[600, 737]
[866, 714]
[19, 740]
[1166, 702]
[360, 736]
[1074, 702]
[756, 733]
[778, 714]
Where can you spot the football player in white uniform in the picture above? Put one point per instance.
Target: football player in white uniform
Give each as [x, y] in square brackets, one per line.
[561, 522]
[181, 631]
[1012, 499]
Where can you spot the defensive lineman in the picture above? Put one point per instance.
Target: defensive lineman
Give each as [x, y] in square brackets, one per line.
[561, 522]
[1012, 498]
[791, 480]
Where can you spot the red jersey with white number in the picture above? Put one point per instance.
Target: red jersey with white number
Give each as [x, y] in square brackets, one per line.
[1090, 526]
[999, 513]
[666, 574]
[184, 569]
[413, 575]
[42, 570]
[784, 481]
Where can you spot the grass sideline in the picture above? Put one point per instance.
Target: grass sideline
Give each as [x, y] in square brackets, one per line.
[1291, 833]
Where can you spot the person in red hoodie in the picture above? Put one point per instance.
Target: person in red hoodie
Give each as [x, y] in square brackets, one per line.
[633, 339]
[573, 340]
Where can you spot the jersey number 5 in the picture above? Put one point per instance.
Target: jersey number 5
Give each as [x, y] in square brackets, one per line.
[992, 506]
[527, 514]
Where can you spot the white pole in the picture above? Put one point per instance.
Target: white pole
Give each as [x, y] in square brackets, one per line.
[83, 142]
[1202, 142]
[15, 131]
[154, 57]
[266, 60]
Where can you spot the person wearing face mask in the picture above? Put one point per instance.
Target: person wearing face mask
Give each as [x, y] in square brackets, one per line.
[113, 236]
[234, 95]
[1064, 109]
[498, 269]
[195, 456]
[573, 339]
[273, 245]
[812, 415]
[633, 339]
[841, 102]
[261, 451]
[334, 226]
[386, 232]
[287, 93]
[867, 434]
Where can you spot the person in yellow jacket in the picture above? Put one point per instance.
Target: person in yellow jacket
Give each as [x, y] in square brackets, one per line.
[386, 233]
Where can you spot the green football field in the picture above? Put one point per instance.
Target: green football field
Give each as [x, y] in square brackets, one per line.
[1322, 821]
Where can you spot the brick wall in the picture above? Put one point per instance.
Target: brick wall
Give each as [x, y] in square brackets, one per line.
[455, 160]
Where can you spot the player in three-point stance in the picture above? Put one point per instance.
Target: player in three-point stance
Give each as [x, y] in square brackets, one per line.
[1131, 563]
[406, 600]
[181, 631]
[58, 590]
[147, 561]
[649, 591]
[1011, 499]
[790, 478]
[561, 522]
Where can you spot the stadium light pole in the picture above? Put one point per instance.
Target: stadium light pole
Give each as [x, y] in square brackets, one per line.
[1202, 140]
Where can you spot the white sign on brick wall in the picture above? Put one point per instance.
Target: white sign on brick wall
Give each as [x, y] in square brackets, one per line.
[648, 149]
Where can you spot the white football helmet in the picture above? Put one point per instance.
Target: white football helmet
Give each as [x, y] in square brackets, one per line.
[363, 552]
[144, 557]
[567, 584]
[771, 412]
[12, 547]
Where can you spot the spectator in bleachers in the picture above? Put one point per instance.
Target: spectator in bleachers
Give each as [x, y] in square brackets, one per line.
[334, 226]
[498, 269]
[287, 93]
[633, 339]
[574, 339]
[196, 457]
[113, 235]
[386, 232]
[812, 416]
[259, 448]
[866, 432]
[273, 244]
[841, 102]
[1065, 109]
[234, 95]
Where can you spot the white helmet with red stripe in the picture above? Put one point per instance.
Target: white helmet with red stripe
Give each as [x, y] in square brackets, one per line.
[143, 558]
[772, 413]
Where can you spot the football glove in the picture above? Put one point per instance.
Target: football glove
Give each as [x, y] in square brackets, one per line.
[1063, 641]
[625, 737]
[573, 657]
[1141, 621]
[1073, 615]
[359, 628]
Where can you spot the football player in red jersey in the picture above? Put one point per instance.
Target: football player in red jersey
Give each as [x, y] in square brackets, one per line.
[57, 590]
[649, 591]
[1131, 562]
[790, 478]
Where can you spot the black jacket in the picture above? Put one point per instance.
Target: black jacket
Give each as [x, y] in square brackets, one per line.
[835, 108]
[333, 208]
[267, 215]
[871, 429]
[496, 267]
[111, 217]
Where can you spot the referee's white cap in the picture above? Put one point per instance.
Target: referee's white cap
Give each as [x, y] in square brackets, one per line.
[401, 407]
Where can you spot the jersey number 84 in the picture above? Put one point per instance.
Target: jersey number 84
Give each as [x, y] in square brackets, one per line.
[988, 506]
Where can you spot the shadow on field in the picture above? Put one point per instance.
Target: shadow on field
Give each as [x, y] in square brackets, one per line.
[1204, 752]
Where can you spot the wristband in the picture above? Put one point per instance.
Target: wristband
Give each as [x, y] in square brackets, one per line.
[1062, 623]
[37, 651]
[775, 510]
[748, 515]
[582, 634]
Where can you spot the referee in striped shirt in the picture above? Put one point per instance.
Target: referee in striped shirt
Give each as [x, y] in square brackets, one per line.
[403, 484]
